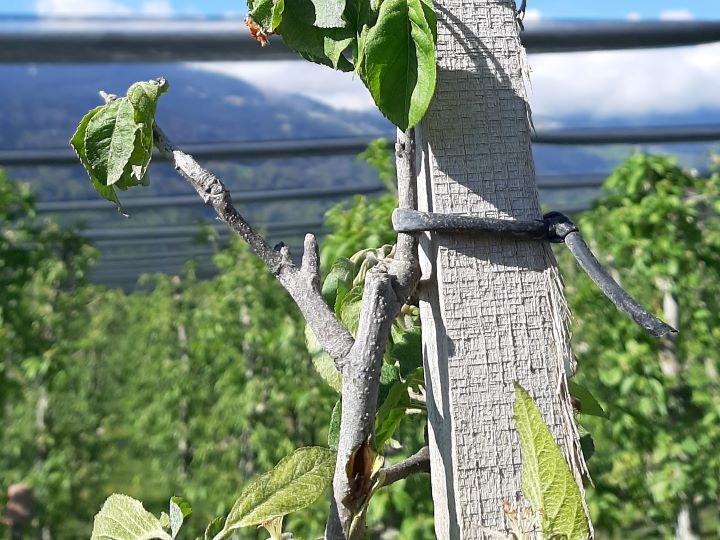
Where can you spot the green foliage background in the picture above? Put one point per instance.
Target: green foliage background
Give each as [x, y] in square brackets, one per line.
[193, 387]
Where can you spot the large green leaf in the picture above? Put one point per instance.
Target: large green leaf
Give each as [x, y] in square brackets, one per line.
[294, 483]
[547, 482]
[398, 64]
[124, 518]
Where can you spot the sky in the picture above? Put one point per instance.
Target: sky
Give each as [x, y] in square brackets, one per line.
[598, 85]
[543, 9]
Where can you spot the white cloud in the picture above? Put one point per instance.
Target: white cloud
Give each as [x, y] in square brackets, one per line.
[157, 8]
[533, 15]
[333, 88]
[81, 8]
[626, 83]
[633, 16]
[676, 15]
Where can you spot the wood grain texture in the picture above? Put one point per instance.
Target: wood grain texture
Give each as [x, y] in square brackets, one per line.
[492, 308]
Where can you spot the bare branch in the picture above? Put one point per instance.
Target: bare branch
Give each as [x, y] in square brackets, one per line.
[302, 284]
[417, 463]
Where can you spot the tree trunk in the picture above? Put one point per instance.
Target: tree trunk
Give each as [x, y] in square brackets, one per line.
[492, 308]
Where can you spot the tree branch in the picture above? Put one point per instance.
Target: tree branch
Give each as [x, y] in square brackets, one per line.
[417, 463]
[302, 284]
[387, 287]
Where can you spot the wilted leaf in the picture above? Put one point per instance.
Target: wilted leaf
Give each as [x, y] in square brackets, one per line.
[294, 483]
[547, 482]
[124, 518]
[364, 477]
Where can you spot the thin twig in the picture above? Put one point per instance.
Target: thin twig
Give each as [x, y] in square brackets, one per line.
[417, 463]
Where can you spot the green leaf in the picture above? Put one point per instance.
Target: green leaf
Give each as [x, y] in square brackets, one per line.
[214, 528]
[179, 510]
[431, 17]
[349, 310]
[78, 143]
[110, 140]
[124, 518]
[294, 483]
[144, 97]
[588, 404]
[390, 414]
[338, 282]
[398, 67]
[114, 142]
[334, 428]
[299, 32]
[334, 47]
[322, 362]
[277, 13]
[587, 445]
[547, 481]
[406, 349]
[267, 13]
[328, 13]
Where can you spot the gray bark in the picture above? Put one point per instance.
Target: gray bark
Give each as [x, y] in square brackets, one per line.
[387, 287]
[492, 308]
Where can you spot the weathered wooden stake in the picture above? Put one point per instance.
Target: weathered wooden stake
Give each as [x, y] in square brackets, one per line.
[492, 308]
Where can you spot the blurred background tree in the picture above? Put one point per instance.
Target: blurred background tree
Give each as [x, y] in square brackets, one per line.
[190, 387]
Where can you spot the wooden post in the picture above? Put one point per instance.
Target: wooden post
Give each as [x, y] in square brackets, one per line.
[492, 308]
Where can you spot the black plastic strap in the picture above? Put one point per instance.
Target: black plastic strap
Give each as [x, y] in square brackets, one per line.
[554, 227]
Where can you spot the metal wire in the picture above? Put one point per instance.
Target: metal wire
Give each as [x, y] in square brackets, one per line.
[176, 40]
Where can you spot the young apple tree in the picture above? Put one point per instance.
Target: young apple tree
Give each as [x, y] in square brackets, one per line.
[483, 308]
